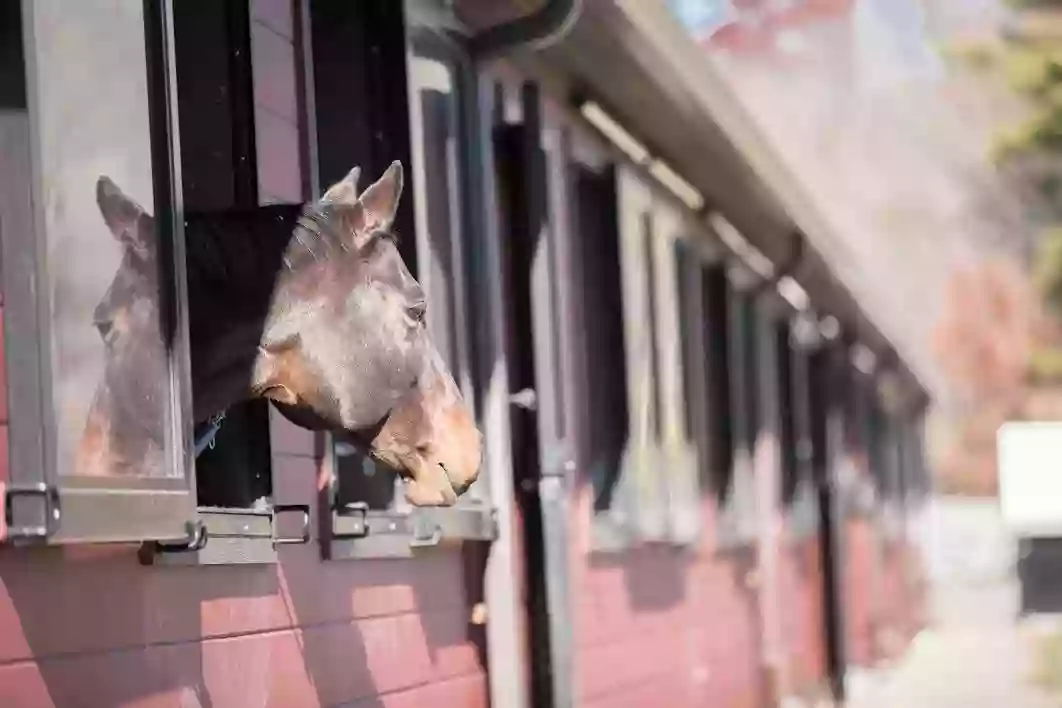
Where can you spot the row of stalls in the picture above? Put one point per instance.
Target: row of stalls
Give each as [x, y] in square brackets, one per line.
[701, 455]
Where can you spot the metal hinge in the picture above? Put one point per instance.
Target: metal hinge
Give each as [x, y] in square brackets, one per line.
[49, 512]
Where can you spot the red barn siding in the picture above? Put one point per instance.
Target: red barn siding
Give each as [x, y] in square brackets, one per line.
[89, 626]
[800, 575]
[902, 612]
[859, 588]
[658, 626]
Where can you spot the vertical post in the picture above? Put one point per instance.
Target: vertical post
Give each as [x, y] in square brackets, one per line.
[766, 456]
[827, 407]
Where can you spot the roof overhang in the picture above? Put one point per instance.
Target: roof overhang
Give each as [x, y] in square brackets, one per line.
[636, 61]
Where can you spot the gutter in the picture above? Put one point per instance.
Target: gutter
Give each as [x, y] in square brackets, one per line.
[536, 31]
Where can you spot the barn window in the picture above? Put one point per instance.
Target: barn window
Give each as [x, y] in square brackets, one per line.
[215, 128]
[603, 380]
[798, 489]
[705, 301]
[716, 294]
[427, 82]
[88, 110]
[220, 178]
[743, 344]
[686, 494]
[790, 469]
[820, 406]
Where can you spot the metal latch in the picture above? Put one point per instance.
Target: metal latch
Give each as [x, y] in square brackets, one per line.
[358, 513]
[48, 498]
[426, 533]
[304, 537]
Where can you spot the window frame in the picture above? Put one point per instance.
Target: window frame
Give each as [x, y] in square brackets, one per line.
[613, 529]
[644, 460]
[42, 505]
[680, 244]
[802, 507]
[353, 530]
[249, 534]
[736, 511]
[890, 509]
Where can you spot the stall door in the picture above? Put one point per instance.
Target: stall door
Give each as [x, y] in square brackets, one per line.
[529, 195]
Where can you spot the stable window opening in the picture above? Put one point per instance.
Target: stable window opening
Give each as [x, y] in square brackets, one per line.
[787, 411]
[237, 196]
[717, 466]
[419, 84]
[596, 263]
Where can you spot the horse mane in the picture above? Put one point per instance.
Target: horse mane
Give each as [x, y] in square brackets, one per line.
[234, 257]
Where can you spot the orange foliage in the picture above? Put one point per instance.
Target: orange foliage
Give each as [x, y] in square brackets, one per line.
[989, 327]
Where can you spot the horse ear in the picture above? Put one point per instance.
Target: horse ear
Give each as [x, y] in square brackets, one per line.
[345, 191]
[380, 200]
[122, 216]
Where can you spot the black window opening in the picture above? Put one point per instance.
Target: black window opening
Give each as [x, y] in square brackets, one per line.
[787, 410]
[819, 405]
[717, 465]
[596, 260]
[12, 63]
[877, 444]
[215, 104]
[853, 400]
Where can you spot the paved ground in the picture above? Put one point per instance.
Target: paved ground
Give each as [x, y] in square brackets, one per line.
[977, 653]
[975, 656]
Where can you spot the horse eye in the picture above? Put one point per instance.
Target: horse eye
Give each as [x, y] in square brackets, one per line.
[418, 310]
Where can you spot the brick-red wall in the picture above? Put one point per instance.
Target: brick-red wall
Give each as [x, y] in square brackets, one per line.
[661, 627]
[860, 589]
[88, 626]
[884, 593]
[803, 614]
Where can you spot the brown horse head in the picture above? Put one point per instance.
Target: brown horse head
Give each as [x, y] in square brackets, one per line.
[325, 320]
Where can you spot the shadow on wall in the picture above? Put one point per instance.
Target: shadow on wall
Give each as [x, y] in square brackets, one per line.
[106, 631]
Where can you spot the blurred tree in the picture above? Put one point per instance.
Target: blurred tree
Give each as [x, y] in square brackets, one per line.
[996, 342]
[1027, 56]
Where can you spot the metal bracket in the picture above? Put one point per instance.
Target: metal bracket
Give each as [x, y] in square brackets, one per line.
[48, 497]
[426, 533]
[304, 537]
[360, 532]
[358, 527]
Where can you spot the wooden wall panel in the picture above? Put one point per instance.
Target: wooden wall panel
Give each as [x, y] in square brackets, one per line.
[317, 666]
[662, 626]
